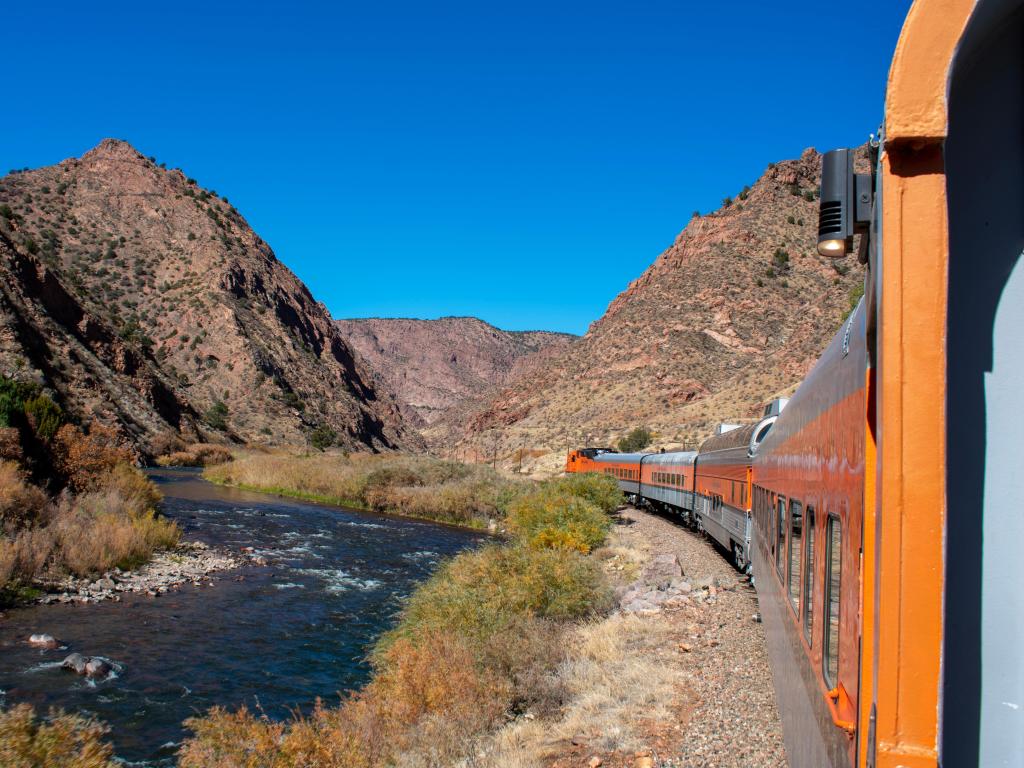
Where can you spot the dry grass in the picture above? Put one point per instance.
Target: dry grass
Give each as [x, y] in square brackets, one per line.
[195, 455]
[613, 680]
[415, 486]
[99, 530]
[59, 741]
[114, 523]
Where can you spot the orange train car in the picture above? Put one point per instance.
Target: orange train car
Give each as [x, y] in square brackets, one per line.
[886, 497]
[723, 485]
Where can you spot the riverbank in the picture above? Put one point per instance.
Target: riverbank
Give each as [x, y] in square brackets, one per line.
[421, 487]
[479, 642]
[190, 562]
[276, 637]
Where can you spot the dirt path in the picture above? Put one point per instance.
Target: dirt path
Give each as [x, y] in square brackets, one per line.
[727, 714]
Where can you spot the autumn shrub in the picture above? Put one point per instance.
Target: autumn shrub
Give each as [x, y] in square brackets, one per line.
[196, 455]
[101, 529]
[10, 444]
[166, 443]
[86, 458]
[57, 741]
[21, 504]
[429, 697]
[24, 555]
[558, 521]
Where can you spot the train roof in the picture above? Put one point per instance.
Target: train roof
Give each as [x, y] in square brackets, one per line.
[672, 457]
[734, 438]
[620, 458]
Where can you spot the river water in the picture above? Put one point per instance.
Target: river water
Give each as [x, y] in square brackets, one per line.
[274, 637]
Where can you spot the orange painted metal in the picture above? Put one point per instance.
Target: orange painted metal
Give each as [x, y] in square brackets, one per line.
[905, 669]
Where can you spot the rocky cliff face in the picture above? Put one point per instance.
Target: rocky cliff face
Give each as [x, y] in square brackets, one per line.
[184, 295]
[734, 312]
[435, 366]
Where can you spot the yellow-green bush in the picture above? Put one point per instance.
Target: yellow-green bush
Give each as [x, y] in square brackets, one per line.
[558, 521]
[59, 741]
[485, 591]
[602, 490]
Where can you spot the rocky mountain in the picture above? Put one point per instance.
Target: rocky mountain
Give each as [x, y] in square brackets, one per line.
[132, 291]
[734, 312]
[434, 366]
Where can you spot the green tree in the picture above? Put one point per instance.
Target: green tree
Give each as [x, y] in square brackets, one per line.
[323, 437]
[637, 439]
[216, 416]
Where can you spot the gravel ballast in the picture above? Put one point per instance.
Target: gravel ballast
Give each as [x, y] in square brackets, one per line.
[731, 718]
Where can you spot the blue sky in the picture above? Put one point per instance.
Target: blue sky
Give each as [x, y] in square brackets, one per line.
[520, 162]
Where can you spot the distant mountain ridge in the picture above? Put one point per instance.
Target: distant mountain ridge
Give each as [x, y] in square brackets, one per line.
[434, 366]
[184, 287]
[735, 311]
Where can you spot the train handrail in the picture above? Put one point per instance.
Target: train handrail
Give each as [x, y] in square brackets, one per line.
[832, 697]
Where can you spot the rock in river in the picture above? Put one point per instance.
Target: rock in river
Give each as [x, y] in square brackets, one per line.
[88, 666]
[76, 663]
[43, 641]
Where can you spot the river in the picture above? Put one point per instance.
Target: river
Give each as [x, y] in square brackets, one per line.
[274, 637]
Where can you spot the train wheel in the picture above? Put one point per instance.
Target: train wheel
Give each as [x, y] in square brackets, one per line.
[739, 559]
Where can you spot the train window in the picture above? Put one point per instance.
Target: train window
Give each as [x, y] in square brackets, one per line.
[833, 575]
[796, 531]
[780, 534]
[809, 575]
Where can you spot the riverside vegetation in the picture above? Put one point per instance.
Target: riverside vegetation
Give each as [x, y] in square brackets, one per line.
[71, 500]
[479, 644]
[415, 486]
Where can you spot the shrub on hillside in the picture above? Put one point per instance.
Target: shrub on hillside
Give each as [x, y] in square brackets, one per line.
[86, 459]
[216, 416]
[22, 405]
[637, 439]
[323, 437]
[58, 741]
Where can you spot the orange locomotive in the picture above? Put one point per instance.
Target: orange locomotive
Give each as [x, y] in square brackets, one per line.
[885, 563]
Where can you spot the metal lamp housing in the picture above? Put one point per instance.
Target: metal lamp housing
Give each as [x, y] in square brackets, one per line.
[835, 219]
[845, 207]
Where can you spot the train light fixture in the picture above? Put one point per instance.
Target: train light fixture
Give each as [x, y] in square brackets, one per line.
[845, 204]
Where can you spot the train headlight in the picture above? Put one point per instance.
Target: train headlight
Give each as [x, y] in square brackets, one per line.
[845, 204]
